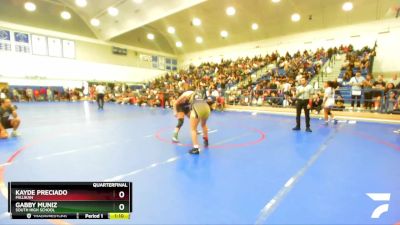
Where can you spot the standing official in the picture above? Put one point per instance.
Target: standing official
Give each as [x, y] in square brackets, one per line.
[303, 94]
[101, 91]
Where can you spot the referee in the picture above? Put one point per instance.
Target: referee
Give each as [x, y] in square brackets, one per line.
[101, 91]
[303, 95]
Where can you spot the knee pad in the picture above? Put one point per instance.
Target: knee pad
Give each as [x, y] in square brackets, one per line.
[180, 123]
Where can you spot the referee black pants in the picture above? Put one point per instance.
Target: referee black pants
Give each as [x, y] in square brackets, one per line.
[302, 104]
[100, 100]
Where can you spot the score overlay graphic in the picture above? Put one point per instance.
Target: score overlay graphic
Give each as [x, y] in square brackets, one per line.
[70, 200]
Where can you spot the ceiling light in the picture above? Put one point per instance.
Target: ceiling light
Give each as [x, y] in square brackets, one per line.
[178, 44]
[137, 1]
[112, 11]
[230, 11]
[150, 36]
[276, 1]
[30, 6]
[347, 6]
[171, 30]
[95, 22]
[65, 15]
[295, 17]
[224, 33]
[196, 22]
[254, 26]
[199, 40]
[81, 3]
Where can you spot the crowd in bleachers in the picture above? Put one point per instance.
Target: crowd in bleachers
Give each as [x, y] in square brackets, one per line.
[369, 94]
[359, 83]
[231, 81]
[36, 94]
[234, 82]
[380, 95]
[275, 87]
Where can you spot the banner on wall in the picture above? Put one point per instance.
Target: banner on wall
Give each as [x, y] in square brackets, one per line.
[21, 37]
[55, 47]
[5, 35]
[68, 49]
[39, 45]
[22, 42]
[5, 40]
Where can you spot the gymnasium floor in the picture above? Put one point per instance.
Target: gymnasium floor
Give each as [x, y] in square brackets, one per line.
[256, 171]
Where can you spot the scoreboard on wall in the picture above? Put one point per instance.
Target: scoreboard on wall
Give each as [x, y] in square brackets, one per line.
[70, 200]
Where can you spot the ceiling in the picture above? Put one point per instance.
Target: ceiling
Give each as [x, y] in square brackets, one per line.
[135, 20]
[47, 15]
[273, 20]
[131, 15]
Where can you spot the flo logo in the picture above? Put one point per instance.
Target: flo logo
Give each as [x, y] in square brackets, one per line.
[380, 197]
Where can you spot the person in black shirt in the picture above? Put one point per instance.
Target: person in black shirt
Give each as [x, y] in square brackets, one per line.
[378, 91]
[317, 103]
[303, 101]
[368, 84]
[7, 110]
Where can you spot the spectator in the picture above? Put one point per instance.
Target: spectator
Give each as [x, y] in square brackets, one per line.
[245, 99]
[2, 95]
[378, 91]
[357, 83]
[29, 94]
[368, 84]
[397, 106]
[36, 94]
[56, 95]
[92, 91]
[214, 94]
[316, 103]
[288, 100]
[16, 95]
[395, 81]
[286, 86]
[49, 93]
[42, 93]
[388, 90]
[391, 102]
[274, 100]
[220, 102]
[347, 77]
[339, 103]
